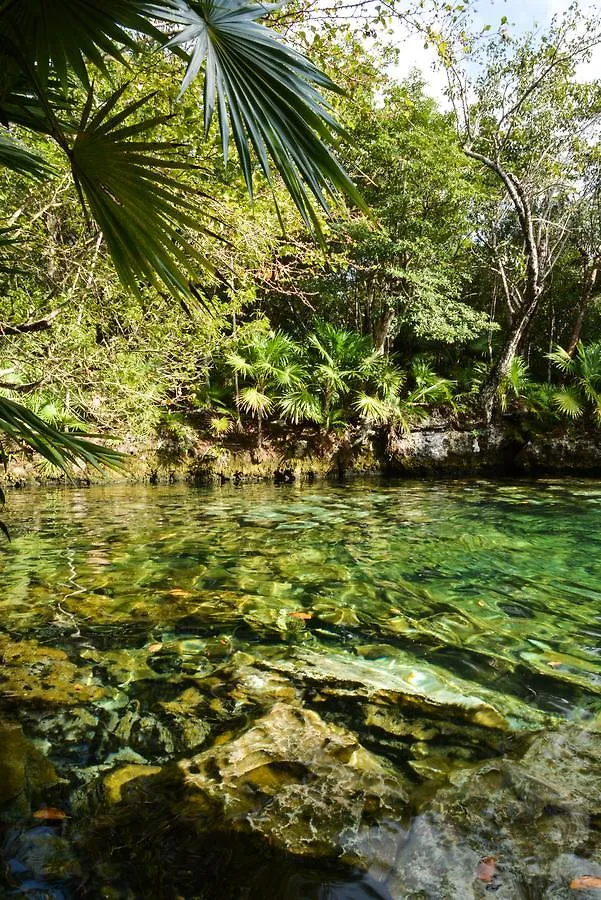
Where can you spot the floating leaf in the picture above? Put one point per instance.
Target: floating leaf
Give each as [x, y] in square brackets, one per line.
[586, 883]
[487, 869]
[50, 813]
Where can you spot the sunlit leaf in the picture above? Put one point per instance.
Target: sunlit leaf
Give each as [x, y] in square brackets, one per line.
[267, 96]
[568, 403]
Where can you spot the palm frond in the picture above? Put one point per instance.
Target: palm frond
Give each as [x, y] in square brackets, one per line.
[300, 405]
[569, 403]
[437, 391]
[220, 425]
[267, 94]
[331, 377]
[518, 375]
[239, 364]
[63, 449]
[142, 210]
[372, 408]
[561, 359]
[287, 375]
[254, 401]
[65, 35]
[19, 159]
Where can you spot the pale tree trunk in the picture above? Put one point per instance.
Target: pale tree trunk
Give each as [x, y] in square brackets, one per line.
[381, 329]
[540, 255]
[519, 328]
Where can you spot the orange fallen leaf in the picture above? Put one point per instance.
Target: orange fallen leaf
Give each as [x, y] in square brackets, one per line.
[487, 869]
[49, 812]
[300, 615]
[154, 647]
[586, 883]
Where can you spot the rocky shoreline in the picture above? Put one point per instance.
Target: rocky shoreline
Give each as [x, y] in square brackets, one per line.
[435, 448]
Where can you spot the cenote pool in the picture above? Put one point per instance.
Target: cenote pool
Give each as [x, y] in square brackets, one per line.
[326, 692]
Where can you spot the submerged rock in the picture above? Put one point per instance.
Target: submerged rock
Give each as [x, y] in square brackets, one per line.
[306, 787]
[538, 816]
[42, 853]
[114, 782]
[25, 773]
[300, 782]
[405, 683]
[35, 673]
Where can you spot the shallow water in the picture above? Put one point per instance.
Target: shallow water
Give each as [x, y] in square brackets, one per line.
[473, 602]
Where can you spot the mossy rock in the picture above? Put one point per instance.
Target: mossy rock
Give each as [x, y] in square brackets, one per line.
[25, 773]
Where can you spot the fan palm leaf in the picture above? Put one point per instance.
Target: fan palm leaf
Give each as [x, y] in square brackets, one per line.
[562, 359]
[254, 401]
[373, 409]
[300, 405]
[141, 209]
[272, 94]
[569, 403]
[19, 159]
[64, 36]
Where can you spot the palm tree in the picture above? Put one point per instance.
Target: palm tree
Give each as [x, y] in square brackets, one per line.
[269, 363]
[267, 98]
[351, 377]
[583, 369]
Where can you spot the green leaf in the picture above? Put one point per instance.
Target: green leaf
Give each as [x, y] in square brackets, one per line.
[254, 401]
[143, 213]
[300, 405]
[65, 35]
[271, 93]
[569, 403]
[561, 359]
[19, 159]
[65, 450]
[372, 408]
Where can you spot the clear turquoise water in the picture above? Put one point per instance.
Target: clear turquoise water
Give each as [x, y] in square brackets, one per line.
[494, 585]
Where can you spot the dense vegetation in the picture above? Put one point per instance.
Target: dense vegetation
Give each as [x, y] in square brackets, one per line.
[147, 284]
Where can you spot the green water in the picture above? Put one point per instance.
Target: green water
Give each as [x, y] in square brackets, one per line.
[440, 624]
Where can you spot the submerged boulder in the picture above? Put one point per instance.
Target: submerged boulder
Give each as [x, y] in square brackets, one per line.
[304, 786]
[536, 819]
[25, 773]
[405, 683]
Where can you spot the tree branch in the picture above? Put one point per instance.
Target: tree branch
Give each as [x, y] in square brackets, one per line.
[27, 327]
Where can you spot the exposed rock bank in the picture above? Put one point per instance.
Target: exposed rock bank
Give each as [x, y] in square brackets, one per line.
[435, 447]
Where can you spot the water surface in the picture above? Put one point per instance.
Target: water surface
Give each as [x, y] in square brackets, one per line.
[476, 603]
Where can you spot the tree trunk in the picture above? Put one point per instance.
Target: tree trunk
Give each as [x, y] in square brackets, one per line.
[381, 329]
[521, 321]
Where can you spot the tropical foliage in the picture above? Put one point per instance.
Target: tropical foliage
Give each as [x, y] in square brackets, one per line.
[131, 184]
[148, 286]
[332, 379]
[581, 392]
